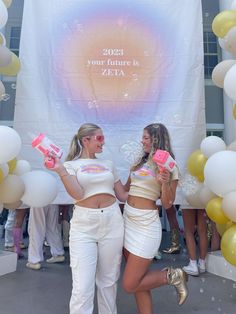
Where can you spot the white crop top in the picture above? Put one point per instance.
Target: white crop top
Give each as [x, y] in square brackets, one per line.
[95, 176]
[144, 183]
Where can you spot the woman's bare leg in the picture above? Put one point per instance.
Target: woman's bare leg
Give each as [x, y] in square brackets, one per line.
[202, 232]
[143, 298]
[189, 219]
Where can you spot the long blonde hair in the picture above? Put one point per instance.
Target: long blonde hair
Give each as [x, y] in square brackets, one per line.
[160, 139]
[86, 129]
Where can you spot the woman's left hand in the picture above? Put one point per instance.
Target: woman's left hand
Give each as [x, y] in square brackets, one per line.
[163, 176]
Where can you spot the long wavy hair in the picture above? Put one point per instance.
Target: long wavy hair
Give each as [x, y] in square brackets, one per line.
[75, 150]
[160, 139]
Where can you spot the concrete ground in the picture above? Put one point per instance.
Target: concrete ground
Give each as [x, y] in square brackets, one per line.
[48, 290]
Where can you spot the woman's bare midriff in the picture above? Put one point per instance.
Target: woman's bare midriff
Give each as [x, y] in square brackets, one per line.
[141, 203]
[97, 201]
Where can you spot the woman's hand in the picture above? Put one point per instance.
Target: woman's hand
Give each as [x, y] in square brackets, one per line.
[53, 163]
[163, 176]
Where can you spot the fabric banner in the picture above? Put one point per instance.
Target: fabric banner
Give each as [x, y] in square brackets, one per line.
[120, 64]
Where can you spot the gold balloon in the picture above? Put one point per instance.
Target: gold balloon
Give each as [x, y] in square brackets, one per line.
[13, 68]
[2, 39]
[7, 3]
[215, 212]
[200, 178]
[1, 176]
[12, 165]
[234, 111]
[228, 245]
[196, 163]
[223, 22]
[221, 228]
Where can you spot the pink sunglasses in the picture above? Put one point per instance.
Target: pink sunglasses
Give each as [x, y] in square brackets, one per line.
[99, 138]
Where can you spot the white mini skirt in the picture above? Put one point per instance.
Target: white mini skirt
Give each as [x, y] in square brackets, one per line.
[143, 231]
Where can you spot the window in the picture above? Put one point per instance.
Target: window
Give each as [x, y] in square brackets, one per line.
[219, 133]
[14, 43]
[210, 53]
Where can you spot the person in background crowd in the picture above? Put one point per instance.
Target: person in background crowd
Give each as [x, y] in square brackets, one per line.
[64, 220]
[175, 246]
[143, 230]
[43, 223]
[14, 230]
[195, 219]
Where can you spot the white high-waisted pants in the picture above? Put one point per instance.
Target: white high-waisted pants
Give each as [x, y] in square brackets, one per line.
[96, 241]
[43, 222]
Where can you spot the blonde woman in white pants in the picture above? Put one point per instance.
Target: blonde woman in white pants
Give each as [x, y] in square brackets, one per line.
[96, 234]
[43, 223]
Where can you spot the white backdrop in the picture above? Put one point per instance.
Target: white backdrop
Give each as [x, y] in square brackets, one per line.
[119, 64]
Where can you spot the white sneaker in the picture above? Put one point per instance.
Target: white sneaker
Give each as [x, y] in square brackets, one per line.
[35, 266]
[56, 259]
[191, 269]
[202, 266]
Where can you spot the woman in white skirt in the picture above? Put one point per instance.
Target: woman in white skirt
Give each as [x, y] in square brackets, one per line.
[143, 229]
[97, 227]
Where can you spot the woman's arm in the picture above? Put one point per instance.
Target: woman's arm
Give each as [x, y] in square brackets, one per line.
[168, 191]
[70, 182]
[168, 188]
[121, 190]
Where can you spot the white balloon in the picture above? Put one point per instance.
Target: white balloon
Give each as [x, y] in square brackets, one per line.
[40, 188]
[232, 146]
[5, 56]
[233, 5]
[220, 172]
[229, 83]
[10, 144]
[221, 42]
[11, 189]
[3, 14]
[211, 145]
[206, 195]
[2, 91]
[230, 40]
[228, 205]
[22, 166]
[220, 70]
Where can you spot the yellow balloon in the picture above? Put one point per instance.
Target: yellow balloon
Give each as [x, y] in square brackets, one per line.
[228, 245]
[200, 178]
[234, 111]
[215, 212]
[223, 22]
[12, 165]
[196, 163]
[13, 68]
[222, 228]
[7, 3]
[1, 176]
[2, 39]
